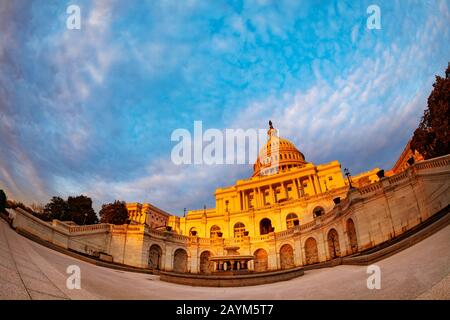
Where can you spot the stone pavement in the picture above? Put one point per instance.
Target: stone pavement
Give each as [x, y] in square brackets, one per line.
[31, 271]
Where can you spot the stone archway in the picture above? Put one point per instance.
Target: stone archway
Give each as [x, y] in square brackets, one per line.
[155, 257]
[180, 259]
[286, 257]
[261, 260]
[351, 234]
[333, 244]
[311, 252]
[205, 264]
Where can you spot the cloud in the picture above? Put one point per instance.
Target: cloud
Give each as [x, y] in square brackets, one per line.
[91, 111]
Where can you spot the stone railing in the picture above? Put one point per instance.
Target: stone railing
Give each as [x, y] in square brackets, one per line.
[308, 225]
[398, 177]
[179, 237]
[204, 240]
[263, 237]
[433, 163]
[93, 227]
[157, 233]
[370, 188]
[285, 233]
[233, 241]
[164, 235]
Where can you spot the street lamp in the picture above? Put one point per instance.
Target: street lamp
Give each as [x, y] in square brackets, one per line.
[85, 216]
[347, 173]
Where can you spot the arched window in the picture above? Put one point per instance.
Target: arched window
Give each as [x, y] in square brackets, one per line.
[239, 229]
[193, 232]
[291, 220]
[265, 226]
[215, 232]
[318, 211]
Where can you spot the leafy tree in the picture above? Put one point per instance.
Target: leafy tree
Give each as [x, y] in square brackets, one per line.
[57, 208]
[3, 201]
[115, 213]
[81, 211]
[432, 137]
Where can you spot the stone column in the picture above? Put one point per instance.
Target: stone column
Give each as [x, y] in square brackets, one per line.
[285, 190]
[271, 194]
[168, 264]
[247, 198]
[302, 191]
[295, 184]
[298, 257]
[319, 188]
[322, 247]
[272, 256]
[262, 197]
[258, 198]
[240, 201]
[311, 179]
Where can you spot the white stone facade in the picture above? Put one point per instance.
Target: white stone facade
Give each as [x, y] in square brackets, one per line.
[367, 217]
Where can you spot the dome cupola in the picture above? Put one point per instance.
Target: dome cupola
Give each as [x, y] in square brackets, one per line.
[277, 155]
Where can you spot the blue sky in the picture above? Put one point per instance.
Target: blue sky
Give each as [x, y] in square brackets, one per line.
[91, 111]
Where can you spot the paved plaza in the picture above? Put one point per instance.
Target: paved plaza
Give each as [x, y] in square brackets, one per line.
[31, 271]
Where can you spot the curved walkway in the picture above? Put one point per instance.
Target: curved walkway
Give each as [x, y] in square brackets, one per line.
[29, 270]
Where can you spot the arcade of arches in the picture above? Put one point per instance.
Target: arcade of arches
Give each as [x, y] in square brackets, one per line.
[302, 214]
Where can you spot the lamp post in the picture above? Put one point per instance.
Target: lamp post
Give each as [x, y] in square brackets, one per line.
[85, 216]
[347, 173]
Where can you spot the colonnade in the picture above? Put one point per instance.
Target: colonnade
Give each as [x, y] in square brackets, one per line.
[259, 193]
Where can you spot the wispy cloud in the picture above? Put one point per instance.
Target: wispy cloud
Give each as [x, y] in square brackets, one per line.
[91, 111]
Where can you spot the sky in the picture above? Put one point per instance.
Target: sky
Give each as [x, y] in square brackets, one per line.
[91, 111]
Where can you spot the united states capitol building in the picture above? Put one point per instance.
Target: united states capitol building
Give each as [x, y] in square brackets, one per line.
[288, 215]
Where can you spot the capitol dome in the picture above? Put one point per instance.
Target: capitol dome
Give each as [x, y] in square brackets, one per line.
[277, 155]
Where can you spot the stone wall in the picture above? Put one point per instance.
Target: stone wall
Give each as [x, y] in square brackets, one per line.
[367, 217]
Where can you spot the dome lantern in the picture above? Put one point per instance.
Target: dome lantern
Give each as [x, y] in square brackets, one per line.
[277, 155]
